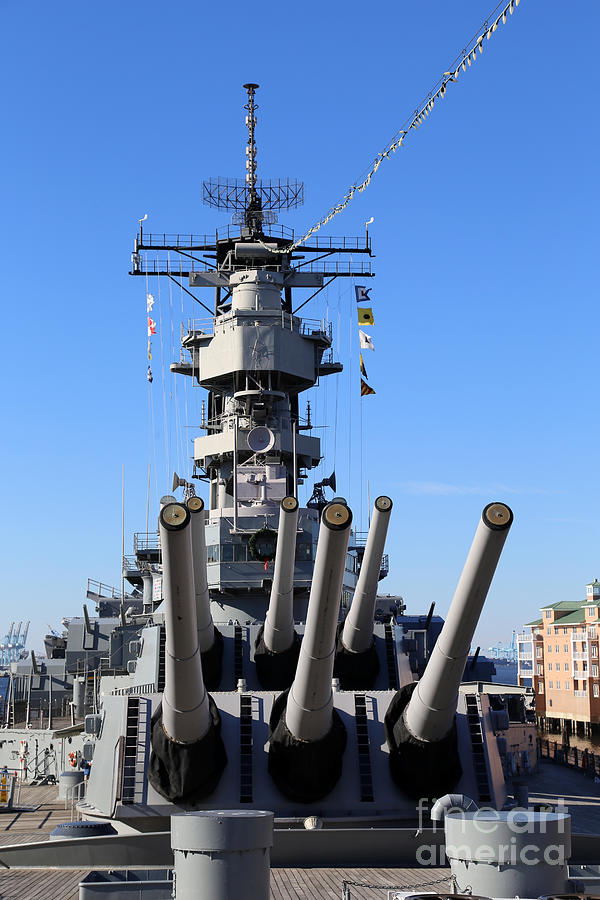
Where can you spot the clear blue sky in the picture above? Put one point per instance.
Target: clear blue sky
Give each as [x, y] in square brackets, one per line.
[485, 298]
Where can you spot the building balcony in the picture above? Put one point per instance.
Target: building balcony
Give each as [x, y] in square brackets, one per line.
[580, 693]
[524, 638]
[579, 655]
[526, 655]
[580, 635]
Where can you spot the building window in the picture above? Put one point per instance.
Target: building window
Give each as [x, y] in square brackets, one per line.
[541, 687]
[594, 650]
[566, 685]
[550, 684]
[557, 649]
[583, 646]
[594, 670]
[558, 685]
[548, 613]
[555, 629]
[549, 648]
[549, 631]
[566, 648]
[566, 667]
[565, 630]
[596, 691]
[538, 652]
[540, 670]
[549, 667]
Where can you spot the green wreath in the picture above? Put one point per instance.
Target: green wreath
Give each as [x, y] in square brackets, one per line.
[263, 544]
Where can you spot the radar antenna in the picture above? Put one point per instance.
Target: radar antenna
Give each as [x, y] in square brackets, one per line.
[254, 202]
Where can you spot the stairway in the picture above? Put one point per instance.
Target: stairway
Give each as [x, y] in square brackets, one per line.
[477, 747]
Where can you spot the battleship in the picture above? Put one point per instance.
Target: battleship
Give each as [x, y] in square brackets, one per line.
[269, 705]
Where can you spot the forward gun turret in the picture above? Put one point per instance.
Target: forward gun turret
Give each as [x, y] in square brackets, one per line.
[420, 722]
[188, 755]
[308, 737]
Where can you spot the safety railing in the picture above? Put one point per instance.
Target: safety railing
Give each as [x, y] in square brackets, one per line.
[73, 794]
[145, 540]
[182, 266]
[187, 241]
[574, 757]
[98, 589]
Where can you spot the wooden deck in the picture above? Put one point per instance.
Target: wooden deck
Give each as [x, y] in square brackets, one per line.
[581, 795]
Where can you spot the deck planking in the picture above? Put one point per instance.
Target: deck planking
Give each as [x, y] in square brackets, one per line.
[580, 794]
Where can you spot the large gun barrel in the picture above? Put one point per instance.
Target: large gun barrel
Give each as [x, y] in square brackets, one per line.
[279, 623]
[188, 756]
[307, 736]
[185, 705]
[309, 706]
[206, 628]
[357, 635]
[420, 721]
[430, 713]
[277, 644]
[210, 639]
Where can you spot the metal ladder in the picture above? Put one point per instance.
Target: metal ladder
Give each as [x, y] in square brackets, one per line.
[161, 659]
[479, 760]
[390, 658]
[245, 748]
[135, 756]
[365, 774]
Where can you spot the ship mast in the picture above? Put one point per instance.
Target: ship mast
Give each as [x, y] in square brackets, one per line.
[254, 357]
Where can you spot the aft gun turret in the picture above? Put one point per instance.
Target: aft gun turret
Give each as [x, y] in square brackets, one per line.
[278, 645]
[308, 737]
[420, 722]
[188, 755]
[356, 662]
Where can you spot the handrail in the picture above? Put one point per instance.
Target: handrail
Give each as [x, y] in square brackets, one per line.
[73, 794]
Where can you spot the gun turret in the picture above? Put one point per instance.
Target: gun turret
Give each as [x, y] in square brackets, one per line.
[356, 662]
[420, 722]
[308, 737]
[188, 755]
[210, 639]
[277, 644]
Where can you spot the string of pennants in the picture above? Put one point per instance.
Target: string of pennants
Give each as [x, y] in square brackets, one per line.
[365, 318]
[151, 332]
[465, 59]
